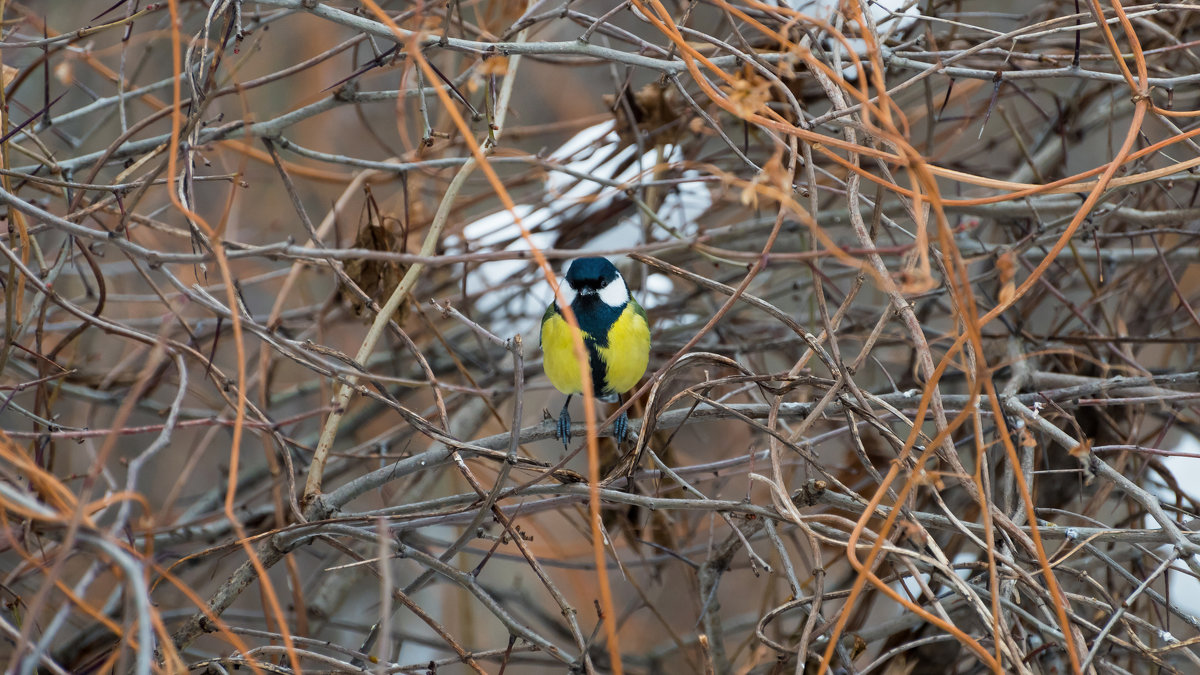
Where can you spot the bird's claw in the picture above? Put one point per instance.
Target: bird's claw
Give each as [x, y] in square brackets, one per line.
[621, 428]
[562, 429]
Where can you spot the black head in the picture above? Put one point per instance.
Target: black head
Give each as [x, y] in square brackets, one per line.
[592, 279]
[591, 274]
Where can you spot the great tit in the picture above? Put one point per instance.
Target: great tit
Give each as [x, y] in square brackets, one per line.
[616, 335]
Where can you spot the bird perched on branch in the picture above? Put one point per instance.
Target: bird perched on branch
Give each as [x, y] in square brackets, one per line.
[616, 336]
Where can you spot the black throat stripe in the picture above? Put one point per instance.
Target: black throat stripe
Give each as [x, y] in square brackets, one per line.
[599, 370]
[595, 319]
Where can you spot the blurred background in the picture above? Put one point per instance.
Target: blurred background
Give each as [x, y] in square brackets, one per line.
[921, 283]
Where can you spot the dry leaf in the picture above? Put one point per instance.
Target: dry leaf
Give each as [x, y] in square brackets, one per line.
[377, 278]
[915, 281]
[774, 175]
[1026, 438]
[930, 479]
[495, 66]
[749, 195]
[1007, 291]
[915, 533]
[1006, 269]
[652, 110]
[497, 17]
[748, 93]
[787, 67]
[858, 646]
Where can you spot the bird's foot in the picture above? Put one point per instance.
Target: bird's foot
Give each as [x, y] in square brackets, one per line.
[562, 429]
[621, 428]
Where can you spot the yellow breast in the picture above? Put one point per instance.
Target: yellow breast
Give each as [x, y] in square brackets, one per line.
[559, 360]
[625, 357]
[628, 351]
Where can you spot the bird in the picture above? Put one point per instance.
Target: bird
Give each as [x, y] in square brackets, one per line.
[616, 336]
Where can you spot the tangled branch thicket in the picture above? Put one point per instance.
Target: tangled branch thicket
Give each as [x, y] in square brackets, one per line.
[921, 280]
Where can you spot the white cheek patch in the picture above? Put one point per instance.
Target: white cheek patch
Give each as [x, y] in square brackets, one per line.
[616, 293]
[568, 293]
